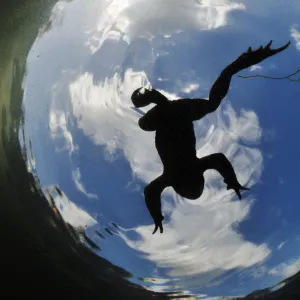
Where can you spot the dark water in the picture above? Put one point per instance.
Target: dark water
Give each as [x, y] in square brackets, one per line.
[45, 253]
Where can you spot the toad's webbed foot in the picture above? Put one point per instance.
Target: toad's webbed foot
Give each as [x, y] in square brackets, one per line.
[236, 187]
[252, 57]
[158, 224]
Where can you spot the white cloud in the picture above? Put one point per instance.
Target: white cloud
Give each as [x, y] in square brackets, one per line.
[79, 185]
[295, 34]
[255, 68]
[59, 130]
[58, 118]
[200, 236]
[170, 96]
[292, 269]
[56, 18]
[149, 19]
[71, 213]
[286, 269]
[190, 88]
[133, 18]
[57, 13]
[101, 112]
[281, 245]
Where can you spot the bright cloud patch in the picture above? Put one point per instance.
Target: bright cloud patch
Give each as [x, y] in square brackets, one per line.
[105, 114]
[79, 185]
[190, 88]
[286, 269]
[296, 35]
[200, 236]
[72, 214]
[135, 18]
[59, 130]
[255, 68]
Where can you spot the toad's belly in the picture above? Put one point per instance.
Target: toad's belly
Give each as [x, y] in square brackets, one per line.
[176, 146]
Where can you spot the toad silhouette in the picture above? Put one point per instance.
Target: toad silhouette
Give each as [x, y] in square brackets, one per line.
[175, 138]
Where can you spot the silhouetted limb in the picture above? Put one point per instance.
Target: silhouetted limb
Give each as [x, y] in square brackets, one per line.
[253, 57]
[198, 108]
[152, 194]
[220, 163]
[247, 59]
[189, 184]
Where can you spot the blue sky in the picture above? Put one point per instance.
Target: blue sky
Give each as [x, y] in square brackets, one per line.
[85, 137]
